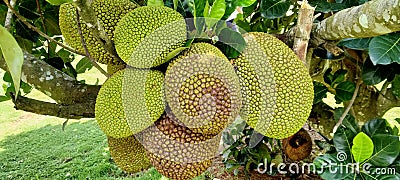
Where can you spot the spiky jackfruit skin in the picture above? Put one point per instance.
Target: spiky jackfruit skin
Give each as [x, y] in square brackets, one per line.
[129, 101]
[176, 151]
[109, 110]
[179, 171]
[202, 89]
[108, 12]
[276, 87]
[128, 154]
[142, 97]
[145, 36]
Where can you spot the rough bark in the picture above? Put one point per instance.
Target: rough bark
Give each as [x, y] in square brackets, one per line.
[54, 83]
[371, 19]
[303, 30]
[73, 111]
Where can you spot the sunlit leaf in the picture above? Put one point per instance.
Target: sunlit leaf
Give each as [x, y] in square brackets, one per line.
[13, 56]
[363, 147]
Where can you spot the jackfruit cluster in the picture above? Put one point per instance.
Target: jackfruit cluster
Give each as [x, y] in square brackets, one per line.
[137, 32]
[174, 120]
[128, 154]
[108, 12]
[125, 92]
[277, 89]
[176, 151]
[202, 89]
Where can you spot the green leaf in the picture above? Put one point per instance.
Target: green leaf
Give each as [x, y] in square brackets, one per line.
[363, 147]
[326, 7]
[232, 43]
[338, 77]
[358, 43]
[246, 3]
[155, 3]
[13, 56]
[174, 53]
[199, 6]
[396, 86]
[272, 9]
[231, 6]
[227, 138]
[255, 139]
[343, 140]
[320, 91]
[385, 49]
[386, 150]
[374, 126]
[215, 12]
[4, 98]
[344, 91]
[59, 2]
[349, 121]
[374, 74]
[83, 65]
[328, 163]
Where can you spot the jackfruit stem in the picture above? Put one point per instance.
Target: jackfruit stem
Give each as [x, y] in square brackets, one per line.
[89, 17]
[94, 63]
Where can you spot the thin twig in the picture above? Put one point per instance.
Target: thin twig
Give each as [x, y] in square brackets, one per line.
[23, 20]
[94, 63]
[9, 17]
[353, 98]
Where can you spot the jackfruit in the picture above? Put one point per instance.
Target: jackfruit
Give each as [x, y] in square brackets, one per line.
[202, 89]
[176, 151]
[108, 12]
[145, 36]
[126, 105]
[128, 154]
[276, 87]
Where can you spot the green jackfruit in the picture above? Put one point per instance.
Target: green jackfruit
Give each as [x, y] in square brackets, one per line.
[276, 87]
[129, 101]
[145, 36]
[108, 12]
[202, 89]
[128, 154]
[176, 151]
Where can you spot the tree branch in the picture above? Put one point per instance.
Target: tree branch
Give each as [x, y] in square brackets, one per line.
[89, 17]
[371, 19]
[23, 20]
[9, 16]
[94, 63]
[303, 31]
[53, 82]
[73, 111]
[353, 98]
